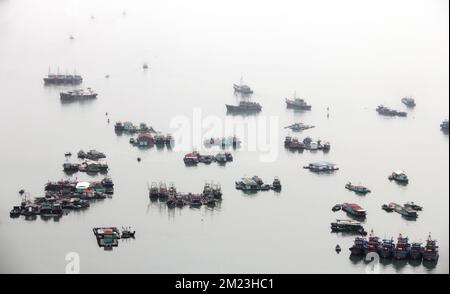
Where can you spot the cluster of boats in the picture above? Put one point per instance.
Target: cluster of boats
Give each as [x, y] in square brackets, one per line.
[383, 110]
[91, 163]
[223, 142]
[109, 237]
[130, 128]
[386, 248]
[255, 184]
[210, 196]
[63, 196]
[88, 166]
[59, 79]
[294, 143]
[408, 210]
[193, 158]
[148, 139]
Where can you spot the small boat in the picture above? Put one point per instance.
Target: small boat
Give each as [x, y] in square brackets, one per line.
[382, 110]
[216, 191]
[357, 188]
[409, 101]
[444, 126]
[399, 176]
[297, 127]
[15, 212]
[145, 66]
[21, 191]
[127, 233]
[337, 207]
[406, 212]
[163, 191]
[276, 184]
[387, 208]
[132, 141]
[322, 167]
[413, 206]
[78, 94]
[354, 209]
[206, 159]
[337, 248]
[221, 158]
[247, 184]
[67, 154]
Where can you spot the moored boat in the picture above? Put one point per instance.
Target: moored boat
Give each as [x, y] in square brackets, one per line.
[409, 101]
[386, 248]
[402, 248]
[430, 250]
[354, 209]
[399, 176]
[357, 188]
[359, 246]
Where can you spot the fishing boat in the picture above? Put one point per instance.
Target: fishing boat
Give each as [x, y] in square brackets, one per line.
[216, 191]
[191, 158]
[297, 103]
[386, 248]
[357, 188]
[409, 101]
[430, 251]
[416, 251]
[153, 190]
[221, 158]
[399, 176]
[359, 246]
[354, 209]
[163, 191]
[402, 248]
[373, 244]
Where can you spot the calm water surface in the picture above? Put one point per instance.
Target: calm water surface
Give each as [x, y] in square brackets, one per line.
[349, 56]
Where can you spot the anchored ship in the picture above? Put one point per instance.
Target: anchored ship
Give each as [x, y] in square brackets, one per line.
[78, 94]
[390, 112]
[297, 103]
[244, 106]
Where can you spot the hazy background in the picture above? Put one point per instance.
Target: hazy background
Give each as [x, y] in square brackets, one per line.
[346, 55]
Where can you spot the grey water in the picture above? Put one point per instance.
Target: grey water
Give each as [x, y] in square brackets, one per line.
[347, 55]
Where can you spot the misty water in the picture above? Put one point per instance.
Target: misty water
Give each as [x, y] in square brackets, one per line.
[349, 56]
